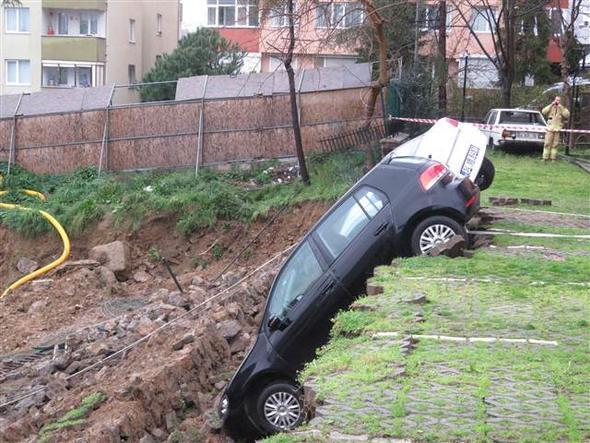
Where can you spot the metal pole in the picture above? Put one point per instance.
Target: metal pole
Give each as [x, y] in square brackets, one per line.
[12, 151]
[105, 135]
[299, 95]
[199, 142]
[416, 33]
[464, 86]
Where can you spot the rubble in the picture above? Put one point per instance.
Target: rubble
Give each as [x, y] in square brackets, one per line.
[114, 256]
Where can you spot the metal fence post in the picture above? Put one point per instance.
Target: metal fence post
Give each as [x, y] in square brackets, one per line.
[104, 148]
[201, 136]
[13, 133]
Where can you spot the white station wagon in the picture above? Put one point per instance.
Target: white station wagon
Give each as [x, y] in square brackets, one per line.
[510, 128]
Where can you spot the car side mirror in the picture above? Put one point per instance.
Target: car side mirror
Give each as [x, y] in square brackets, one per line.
[278, 323]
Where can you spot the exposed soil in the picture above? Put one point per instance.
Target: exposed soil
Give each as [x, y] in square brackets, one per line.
[163, 386]
[538, 218]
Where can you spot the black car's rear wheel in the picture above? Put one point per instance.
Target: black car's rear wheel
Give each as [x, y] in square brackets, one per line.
[433, 231]
[279, 407]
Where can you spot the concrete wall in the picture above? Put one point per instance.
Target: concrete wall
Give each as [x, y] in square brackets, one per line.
[156, 43]
[23, 46]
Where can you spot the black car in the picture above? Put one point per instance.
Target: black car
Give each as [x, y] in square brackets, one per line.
[403, 206]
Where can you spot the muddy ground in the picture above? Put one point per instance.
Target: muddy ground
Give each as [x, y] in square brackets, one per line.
[52, 330]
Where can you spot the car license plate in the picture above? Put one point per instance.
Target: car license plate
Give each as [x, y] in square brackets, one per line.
[469, 162]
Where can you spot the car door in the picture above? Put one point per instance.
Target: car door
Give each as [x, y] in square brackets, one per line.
[356, 237]
[297, 319]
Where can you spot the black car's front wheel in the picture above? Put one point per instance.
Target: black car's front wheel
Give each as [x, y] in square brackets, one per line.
[433, 231]
[279, 407]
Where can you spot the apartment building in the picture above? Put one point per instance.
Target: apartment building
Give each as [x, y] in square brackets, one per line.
[83, 43]
[262, 33]
[463, 47]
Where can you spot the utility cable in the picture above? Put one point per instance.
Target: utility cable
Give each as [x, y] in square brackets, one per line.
[122, 351]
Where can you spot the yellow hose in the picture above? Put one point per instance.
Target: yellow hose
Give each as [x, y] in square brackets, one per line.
[62, 233]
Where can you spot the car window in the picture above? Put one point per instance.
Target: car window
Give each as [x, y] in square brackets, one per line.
[296, 277]
[348, 220]
[493, 118]
[487, 118]
[371, 200]
[519, 117]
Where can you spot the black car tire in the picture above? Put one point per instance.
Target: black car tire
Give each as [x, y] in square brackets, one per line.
[439, 225]
[279, 407]
[486, 174]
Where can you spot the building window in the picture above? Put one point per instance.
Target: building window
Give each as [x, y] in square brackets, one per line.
[17, 20]
[429, 17]
[238, 13]
[62, 23]
[483, 20]
[69, 75]
[557, 18]
[132, 30]
[18, 72]
[88, 24]
[131, 74]
[159, 24]
[339, 15]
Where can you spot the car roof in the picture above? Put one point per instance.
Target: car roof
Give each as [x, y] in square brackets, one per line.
[516, 109]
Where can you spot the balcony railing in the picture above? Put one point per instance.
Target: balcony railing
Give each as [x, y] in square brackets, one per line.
[73, 48]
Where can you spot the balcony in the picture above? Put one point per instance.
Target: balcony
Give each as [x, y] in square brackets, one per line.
[94, 5]
[73, 48]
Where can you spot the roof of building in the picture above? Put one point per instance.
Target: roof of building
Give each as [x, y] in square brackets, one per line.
[55, 100]
[265, 84]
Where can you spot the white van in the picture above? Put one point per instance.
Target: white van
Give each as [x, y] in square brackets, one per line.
[459, 146]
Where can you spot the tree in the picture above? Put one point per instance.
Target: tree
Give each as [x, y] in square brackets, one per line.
[203, 52]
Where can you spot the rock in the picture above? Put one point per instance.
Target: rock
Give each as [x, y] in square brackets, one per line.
[374, 289]
[147, 438]
[141, 277]
[451, 248]
[231, 278]
[198, 281]
[114, 256]
[220, 385]
[41, 284]
[416, 299]
[229, 329]
[188, 338]
[158, 433]
[74, 367]
[26, 265]
[171, 421]
[336, 436]
[37, 306]
[37, 399]
[146, 326]
[179, 299]
[106, 276]
[239, 345]
[98, 348]
[160, 295]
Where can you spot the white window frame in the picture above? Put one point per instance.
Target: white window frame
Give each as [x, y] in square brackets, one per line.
[18, 29]
[158, 24]
[18, 80]
[132, 30]
[237, 5]
[483, 13]
[330, 8]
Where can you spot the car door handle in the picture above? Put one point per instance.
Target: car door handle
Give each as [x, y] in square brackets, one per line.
[381, 228]
[327, 287]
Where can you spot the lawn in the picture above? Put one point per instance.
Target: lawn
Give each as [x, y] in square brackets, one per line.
[566, 185]
[534, 292]
[82, 198]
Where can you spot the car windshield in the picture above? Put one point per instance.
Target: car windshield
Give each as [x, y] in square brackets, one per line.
[295, 278]
[520, 118]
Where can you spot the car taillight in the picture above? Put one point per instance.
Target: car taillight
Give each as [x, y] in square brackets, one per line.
[432, 175]
[471, 200]
[506, 133]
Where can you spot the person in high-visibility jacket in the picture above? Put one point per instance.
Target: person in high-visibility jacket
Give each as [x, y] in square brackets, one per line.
[556, 114]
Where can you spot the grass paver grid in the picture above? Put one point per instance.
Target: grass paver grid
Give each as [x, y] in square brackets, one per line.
[453, 391]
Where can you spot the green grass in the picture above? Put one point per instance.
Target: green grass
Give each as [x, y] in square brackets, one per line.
[566, 185]
[75, 417]
[80, 199]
